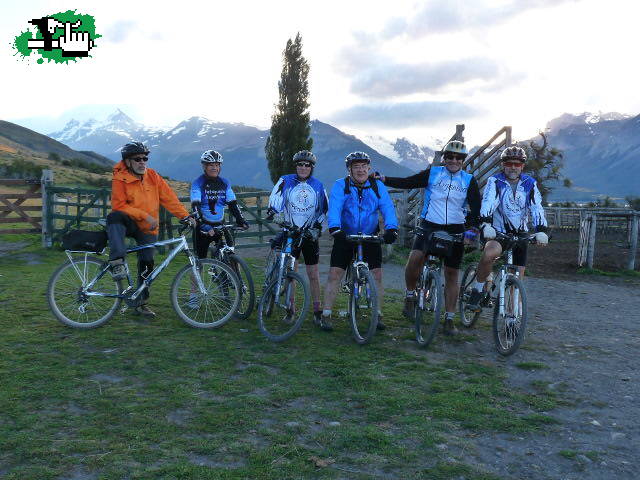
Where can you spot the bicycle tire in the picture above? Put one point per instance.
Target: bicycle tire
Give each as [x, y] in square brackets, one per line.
[357, 313]
[509, 336]
[247, 292]
[269, 276]
[66, 274]
[220, 302]
[270, 321]
[468, 319]
[428, 317]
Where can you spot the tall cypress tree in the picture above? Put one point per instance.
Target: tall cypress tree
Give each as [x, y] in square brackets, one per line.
[290, 128]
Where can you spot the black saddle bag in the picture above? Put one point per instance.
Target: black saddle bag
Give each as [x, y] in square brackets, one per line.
[85, 241]
[440, 244]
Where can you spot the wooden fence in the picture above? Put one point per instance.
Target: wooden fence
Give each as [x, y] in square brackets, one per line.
[16, 207]
[63, 208]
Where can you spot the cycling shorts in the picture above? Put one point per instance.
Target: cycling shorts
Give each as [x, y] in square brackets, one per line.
[309, 248]
[343, 253]
[420, 241]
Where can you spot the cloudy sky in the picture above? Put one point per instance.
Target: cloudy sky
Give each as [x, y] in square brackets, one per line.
[401, 68]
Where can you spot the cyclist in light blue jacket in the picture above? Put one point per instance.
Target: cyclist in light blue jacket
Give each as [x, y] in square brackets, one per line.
[354, 205]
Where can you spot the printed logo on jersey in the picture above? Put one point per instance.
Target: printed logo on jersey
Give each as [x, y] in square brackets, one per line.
[302, 199]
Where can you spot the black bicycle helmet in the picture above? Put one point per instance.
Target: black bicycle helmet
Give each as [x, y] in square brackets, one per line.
[133, 148]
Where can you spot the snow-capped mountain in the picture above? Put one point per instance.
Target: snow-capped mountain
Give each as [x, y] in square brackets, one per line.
[567, 119]
[601, 153]
[176, 151]
[403, 151]
[105, 137]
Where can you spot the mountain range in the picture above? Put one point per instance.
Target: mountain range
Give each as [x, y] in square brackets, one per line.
[176, 152]
[601, 154]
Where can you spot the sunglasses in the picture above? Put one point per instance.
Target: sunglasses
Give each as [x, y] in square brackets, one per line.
[303, 164]
[459, 158]
[513, 164]
[139, 159]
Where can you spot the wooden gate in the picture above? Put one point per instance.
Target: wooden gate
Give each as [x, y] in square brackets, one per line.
[15, 208]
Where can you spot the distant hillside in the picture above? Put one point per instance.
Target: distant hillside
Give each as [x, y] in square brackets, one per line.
[20, 138]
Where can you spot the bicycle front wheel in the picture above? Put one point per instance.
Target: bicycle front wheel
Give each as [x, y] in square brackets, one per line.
[247, 291]
[428, 309]
[282, 311]
[217, 304]
[509, 326]
[71, 305]
[363, 307]
[467, 318]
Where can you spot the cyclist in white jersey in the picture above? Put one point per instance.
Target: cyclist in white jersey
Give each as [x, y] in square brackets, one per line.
[510, 198]
[302, 200]
[451, 200]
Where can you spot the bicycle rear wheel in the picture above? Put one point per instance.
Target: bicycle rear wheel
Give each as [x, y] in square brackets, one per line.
[363, 306]
[281, 313]
[467, 318]
[509, 328]
[74, 308]
[247, 290]
[216, 305]
[428, 309]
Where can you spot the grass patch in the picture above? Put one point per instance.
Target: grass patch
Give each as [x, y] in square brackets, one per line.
[531, 365]
[617, 273]
[161, 400]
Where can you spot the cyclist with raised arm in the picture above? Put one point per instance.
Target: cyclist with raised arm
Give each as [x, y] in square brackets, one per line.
[451, 200]
[210, 194]
[136, 195]
[354, 205]
[302, 200]
[510, 198]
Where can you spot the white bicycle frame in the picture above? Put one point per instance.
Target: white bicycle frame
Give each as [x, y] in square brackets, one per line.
[182, 245]
[502, 281]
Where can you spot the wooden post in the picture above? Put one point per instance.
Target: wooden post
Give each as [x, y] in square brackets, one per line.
[634, 242]
[459, 131]
[47, 224]
[591, 248]
[507, 136]
[557, 218]
[259, 215]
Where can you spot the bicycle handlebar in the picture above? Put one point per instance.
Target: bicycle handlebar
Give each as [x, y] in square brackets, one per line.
[365, 238]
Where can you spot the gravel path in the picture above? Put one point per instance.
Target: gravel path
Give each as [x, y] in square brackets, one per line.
[587, 335]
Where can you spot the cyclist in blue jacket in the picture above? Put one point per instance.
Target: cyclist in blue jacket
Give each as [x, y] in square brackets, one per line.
[354, 205]
[210, 194]
[509, 200]
[451, 200]
[302, 200]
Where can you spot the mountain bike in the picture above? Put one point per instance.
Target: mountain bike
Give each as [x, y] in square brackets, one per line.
[82, 294]
[507, 293]
[224, 251]
[430, 300]
[363, 293]
[286, 294]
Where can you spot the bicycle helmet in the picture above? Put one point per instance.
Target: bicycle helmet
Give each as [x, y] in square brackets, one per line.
[133, 148]
[514, 153]
[455, 146]
[211, 156]
[356, 157]
[304, 156]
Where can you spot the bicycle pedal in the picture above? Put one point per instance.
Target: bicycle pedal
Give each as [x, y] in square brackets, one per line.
[123, 309]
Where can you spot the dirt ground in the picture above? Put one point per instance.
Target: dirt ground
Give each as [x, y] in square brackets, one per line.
[560, 258]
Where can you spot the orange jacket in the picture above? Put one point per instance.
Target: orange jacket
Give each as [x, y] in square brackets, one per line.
[140, 198]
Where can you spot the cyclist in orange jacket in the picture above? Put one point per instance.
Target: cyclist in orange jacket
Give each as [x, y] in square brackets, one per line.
[136, 195]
